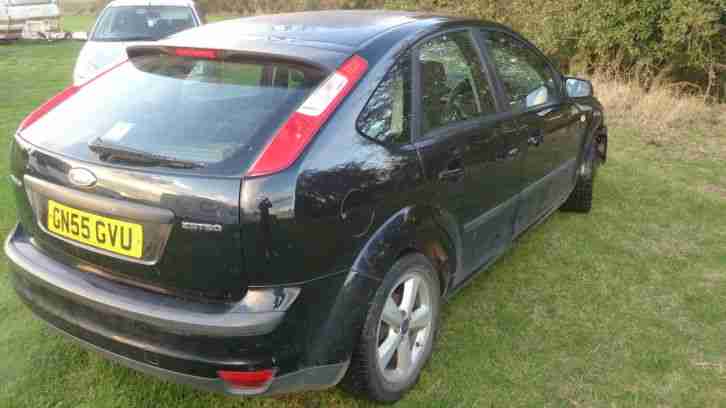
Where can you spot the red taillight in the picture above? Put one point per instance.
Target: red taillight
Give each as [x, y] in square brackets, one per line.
[300, 128]
[196, 53]
[247, 379]
[58, 99]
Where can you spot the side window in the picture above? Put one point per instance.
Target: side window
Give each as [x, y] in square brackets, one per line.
[454, 87]
[386, 115]
[527, 77]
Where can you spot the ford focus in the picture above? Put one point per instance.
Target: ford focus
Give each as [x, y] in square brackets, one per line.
[283, 203]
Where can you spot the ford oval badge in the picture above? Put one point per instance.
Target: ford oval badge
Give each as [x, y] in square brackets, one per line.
[81, 177]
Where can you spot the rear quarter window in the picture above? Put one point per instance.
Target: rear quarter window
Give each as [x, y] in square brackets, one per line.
[385, 117]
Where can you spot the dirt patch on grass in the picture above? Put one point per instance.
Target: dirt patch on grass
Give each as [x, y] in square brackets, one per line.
[715, 189]
[718, 367]
[713, 280]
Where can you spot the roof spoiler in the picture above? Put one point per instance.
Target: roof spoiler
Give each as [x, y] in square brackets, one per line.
[324, 60]
[135, 51]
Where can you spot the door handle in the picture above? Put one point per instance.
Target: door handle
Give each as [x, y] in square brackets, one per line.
[456, 153]
[451, 174]
[536, 138]
[509, 154]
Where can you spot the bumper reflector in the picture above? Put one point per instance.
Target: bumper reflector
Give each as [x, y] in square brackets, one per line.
[247, 379]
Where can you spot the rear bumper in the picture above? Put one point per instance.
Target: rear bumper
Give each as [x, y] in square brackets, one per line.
[312, 378]
[182, 341]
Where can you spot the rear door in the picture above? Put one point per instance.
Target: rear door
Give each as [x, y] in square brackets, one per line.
[548, 121]
[469, 157]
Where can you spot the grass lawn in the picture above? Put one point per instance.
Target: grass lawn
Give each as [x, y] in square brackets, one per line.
[625, 306]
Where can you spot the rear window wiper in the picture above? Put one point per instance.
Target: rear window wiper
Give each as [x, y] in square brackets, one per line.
[109, 151]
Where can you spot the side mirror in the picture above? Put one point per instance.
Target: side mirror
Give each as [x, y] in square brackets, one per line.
[80, 36]
[578, 88]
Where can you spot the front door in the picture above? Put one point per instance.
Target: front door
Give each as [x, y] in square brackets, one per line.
[470, 151]
[532, 91]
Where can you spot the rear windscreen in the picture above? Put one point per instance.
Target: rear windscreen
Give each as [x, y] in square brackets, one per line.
[182, 108]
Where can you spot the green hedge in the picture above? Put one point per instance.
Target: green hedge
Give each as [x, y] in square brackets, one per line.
[686, 37]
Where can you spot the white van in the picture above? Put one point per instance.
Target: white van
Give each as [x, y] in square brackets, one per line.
[15, 14]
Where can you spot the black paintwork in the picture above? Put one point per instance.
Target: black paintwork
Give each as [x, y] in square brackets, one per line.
[336, 220]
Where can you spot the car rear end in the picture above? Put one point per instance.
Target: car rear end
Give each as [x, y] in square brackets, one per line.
[15, 15]
[128, 191]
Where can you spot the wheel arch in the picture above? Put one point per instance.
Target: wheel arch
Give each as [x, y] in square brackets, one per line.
[421, 229]
[595, 126]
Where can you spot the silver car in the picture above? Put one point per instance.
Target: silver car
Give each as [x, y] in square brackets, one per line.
[128, 22]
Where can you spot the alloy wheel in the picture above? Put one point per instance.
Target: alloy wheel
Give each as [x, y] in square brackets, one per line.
[405, 328]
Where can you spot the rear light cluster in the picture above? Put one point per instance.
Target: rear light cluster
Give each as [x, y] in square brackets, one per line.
[300, 128]
[249, 381]
[59, 98]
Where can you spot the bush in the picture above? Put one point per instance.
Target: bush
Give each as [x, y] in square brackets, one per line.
[662, 111]
[688, 37]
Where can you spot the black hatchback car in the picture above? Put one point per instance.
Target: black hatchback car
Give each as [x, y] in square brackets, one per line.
[281, 203]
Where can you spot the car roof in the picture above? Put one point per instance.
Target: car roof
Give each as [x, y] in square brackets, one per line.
[342, 29]
[138, 3]
[323, 38]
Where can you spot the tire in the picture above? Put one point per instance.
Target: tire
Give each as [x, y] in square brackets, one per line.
[366, 377]
[580, 200]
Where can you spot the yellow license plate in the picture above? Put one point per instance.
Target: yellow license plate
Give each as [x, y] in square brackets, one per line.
[115, 236]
